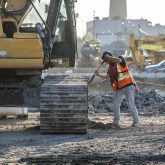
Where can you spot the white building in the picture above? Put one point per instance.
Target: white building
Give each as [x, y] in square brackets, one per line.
[113, 32]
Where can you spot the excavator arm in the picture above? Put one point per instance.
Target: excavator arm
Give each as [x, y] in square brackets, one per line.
[17, 9]
[150, 48]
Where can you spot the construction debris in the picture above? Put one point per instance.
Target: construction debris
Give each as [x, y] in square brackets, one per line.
[146, 100]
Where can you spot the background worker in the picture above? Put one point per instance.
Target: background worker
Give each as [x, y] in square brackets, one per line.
[123, 85]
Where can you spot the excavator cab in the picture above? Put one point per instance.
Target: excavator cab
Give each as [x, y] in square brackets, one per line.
[64, 39]
[55, 29]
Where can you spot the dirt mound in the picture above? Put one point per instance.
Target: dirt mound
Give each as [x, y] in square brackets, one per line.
[99, 125]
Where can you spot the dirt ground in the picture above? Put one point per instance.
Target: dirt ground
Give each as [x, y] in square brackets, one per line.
[22, 143]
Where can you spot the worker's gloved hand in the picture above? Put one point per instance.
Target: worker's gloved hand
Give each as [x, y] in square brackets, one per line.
[96, 72]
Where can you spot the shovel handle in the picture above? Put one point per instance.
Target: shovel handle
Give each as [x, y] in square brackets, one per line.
[100, 66]
[91, 79]
[94, 74]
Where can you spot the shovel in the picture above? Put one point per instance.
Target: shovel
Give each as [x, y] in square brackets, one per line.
[94, 74]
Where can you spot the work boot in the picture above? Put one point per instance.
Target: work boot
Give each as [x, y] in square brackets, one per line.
[135, 124]
[115, 125]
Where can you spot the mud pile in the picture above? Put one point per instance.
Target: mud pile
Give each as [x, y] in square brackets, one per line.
[146, 100]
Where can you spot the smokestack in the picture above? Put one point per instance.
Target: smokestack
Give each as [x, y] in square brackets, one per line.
[118, 9]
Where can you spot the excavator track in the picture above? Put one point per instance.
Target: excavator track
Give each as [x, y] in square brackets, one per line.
[64, 104]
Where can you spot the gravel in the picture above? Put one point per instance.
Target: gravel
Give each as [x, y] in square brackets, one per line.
[147, 101]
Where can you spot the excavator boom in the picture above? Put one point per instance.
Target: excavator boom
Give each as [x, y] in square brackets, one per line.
[145, 51]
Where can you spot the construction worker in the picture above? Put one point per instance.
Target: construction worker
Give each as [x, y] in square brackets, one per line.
[123, 85]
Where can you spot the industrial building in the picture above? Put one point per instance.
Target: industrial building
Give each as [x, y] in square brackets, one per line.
[112, 32]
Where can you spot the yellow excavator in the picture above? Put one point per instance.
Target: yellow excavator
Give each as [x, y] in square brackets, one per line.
[27, 48]
[146, 51]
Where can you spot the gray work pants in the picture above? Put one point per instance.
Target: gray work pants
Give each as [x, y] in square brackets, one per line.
[127, 92]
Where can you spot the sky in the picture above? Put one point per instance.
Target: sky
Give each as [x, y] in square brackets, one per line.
[153, 10]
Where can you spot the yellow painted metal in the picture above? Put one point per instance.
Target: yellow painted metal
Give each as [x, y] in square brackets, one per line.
[2, 35]
[136, 55]
[21, 48]
[152, 47]
[13, 5]
[17, 5]
[20, 63]
[8, 19]
[25, 35]
[23, 51]
[132, 42]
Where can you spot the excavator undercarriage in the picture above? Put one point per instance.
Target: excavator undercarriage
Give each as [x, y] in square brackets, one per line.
[64, 104]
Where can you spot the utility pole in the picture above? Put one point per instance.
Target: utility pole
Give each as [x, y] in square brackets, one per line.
[139, 31]
[93, 32]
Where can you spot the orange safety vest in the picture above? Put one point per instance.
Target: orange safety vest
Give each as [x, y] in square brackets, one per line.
[123, 77]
